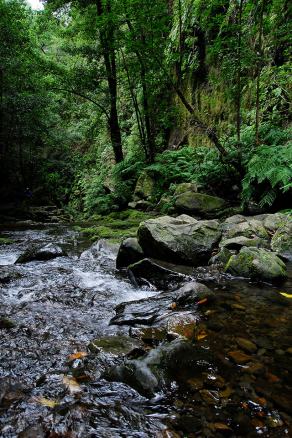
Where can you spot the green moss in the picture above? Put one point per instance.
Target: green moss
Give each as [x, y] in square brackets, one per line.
[116, 226]
[5, 241]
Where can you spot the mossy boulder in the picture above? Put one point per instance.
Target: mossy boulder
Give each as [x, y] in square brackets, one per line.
[144, 187]
[236, 243]
[282, 240]
[257, 264]
[242, 226]
[179, 240]
[185, 187]
[199, 204]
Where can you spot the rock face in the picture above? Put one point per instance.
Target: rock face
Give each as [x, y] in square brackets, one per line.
[199, 204]
[144, 187]
[129, 252]
[47, 252]
[257, 263]
[179, 240]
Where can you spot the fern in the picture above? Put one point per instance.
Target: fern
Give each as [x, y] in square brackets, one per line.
[270, 166]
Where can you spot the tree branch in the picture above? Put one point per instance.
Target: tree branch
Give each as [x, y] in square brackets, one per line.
[84, 97]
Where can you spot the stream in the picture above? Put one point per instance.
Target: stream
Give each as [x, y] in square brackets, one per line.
[55, 308]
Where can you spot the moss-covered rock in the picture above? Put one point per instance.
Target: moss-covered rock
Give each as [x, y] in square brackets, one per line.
[257, 264]
[282, 240]
[144, 187]
[244, 227]
[185, 187]
[199, 204]
[179, 240]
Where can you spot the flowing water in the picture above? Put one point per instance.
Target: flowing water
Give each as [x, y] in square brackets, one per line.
[58, 306]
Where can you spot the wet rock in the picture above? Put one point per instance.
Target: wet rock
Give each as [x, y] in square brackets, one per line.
[210, 397]
[239, 357]
[222, 257]
[178, 360]
[6, 323]
[199, 204]
[179, 240]
[154, 273]
[8, 274]
[46, 252]
[143, 312]
[129, 252]
[247, 345]
[282, 240]
[114, 344]
[192, 292]
[182, 324]
[257, 264]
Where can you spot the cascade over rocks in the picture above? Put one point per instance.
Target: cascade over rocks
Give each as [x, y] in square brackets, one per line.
[179, 240]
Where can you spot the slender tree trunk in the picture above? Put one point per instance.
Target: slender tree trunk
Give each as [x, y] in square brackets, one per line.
[146, 107]
[238, 96]
[136, 107]
[106, 40]
[259, 68]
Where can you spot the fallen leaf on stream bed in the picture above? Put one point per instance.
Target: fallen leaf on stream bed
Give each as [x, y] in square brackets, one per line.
[72, 384]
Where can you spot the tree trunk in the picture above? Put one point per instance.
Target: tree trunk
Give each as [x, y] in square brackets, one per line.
[238, 96]
[106, 40]
[259, 63]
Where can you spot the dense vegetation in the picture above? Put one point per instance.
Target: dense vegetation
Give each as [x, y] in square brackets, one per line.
[93, 92]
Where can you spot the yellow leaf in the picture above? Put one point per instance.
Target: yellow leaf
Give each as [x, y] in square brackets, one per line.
[201, 335]
[71, 384]
[203, 301]
[78, 355]
[46, 402]
[286, 295]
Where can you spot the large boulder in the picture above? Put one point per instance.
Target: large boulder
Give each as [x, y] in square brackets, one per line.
[199, 204]
[179, 240]
[257, 264]
[282, 240]
[46, 252]
[144, 187]
[129, 252]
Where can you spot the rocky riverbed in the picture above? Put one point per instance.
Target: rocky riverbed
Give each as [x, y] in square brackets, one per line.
[154, 349]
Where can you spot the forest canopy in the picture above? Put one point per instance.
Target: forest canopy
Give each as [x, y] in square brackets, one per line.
[94, 93]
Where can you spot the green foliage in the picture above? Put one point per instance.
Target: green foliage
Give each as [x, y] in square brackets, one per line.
[269, 170]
